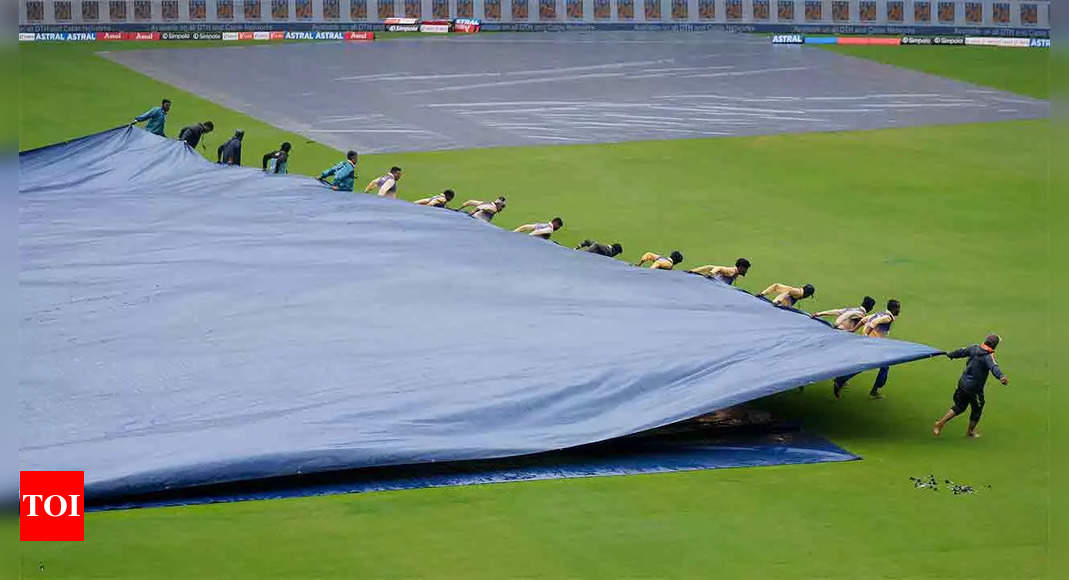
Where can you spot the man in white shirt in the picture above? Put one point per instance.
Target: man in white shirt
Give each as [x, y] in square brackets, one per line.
[543, 230]
[440, 200]
[849, 318]
[484, 210]
[387, 184]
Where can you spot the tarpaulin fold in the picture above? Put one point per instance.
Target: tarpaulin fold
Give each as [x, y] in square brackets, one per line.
[185, 323]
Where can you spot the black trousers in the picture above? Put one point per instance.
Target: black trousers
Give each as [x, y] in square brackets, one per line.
[881, 378]
[975, 402]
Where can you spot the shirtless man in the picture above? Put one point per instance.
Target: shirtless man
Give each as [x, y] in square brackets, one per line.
[659, 262]
[439, 200]
[541, 230]
[849, 319]
[484, 210]
[725, 274]
[787, 296]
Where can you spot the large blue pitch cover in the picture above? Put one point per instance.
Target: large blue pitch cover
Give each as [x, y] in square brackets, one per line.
[185, 323]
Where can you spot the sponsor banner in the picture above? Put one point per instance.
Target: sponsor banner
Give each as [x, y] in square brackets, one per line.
[788, 39]
[768, 28]
[63, 36]
[402, 24]
[869, 40]
[435, 26]
[997, 41]
[191, 35]
[821, 40]
[933, 40]
[1039, 43]
[763, 27]
[352, 35]
[469, 25]
[467, 28]
[316, 35]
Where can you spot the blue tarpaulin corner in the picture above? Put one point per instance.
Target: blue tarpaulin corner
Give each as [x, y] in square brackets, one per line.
[185, 323]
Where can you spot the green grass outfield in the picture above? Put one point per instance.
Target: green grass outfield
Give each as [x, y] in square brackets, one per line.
[1020, 70]
[952, 220]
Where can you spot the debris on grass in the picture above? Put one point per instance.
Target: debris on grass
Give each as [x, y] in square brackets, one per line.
[933, 485]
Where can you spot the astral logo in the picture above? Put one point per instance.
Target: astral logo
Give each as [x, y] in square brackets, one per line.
[51, 506]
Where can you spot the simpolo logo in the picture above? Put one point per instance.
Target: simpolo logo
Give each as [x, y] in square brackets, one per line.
[918, 40]
[949, 40]
[51, 506]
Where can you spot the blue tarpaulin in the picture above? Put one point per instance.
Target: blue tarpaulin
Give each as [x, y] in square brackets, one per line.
[185, 323]
[697, 448]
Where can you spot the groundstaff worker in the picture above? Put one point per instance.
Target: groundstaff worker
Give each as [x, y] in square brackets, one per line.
[230, 152]
[876, 325]
[156, 117]
[659, 262]
[970, 391]
[595, 247]
[725, 274]
[484, 210]
[193, 133]
[386, 186]
[277, 162]
[440, 200]
[344, 173]
[541, 230]
[787, 296]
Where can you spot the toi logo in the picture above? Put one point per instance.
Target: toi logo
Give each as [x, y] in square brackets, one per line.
[51, 506]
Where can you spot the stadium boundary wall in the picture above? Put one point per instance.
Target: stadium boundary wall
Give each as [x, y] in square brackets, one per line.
[976, 17]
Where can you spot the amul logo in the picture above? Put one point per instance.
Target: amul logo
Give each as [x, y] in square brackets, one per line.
[51, 506]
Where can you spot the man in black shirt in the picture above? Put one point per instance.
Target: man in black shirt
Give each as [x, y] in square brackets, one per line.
[970, 391]
[192, 134]
[599, 248]
[230, 152]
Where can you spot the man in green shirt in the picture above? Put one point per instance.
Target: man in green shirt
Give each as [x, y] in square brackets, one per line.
[156, 117]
